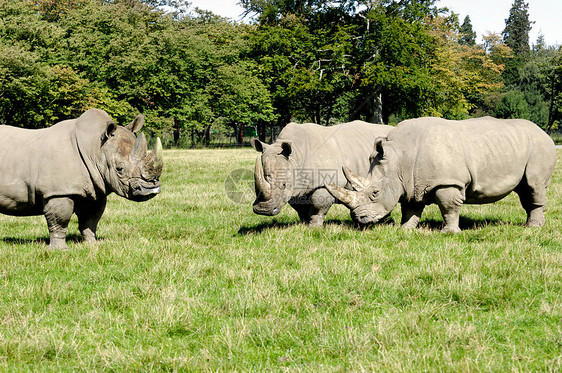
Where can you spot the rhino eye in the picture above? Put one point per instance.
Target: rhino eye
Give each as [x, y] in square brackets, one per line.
[374, 195]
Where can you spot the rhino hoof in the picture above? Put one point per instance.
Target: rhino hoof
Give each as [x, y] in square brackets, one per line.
[62, 247]
[450, 230]
[534, 224]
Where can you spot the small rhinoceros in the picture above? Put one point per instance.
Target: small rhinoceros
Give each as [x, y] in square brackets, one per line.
[433, 160]
[71, 167]
[295, 168]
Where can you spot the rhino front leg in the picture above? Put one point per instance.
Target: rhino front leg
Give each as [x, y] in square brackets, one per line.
[321, 201]
[58, 212]
[303, 209]
[89, 214]
[450, 200]
[411, 214]
[313, 209]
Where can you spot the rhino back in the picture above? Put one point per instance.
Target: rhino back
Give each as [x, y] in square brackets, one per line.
[38, 164]
[486, 156]
[322, 151]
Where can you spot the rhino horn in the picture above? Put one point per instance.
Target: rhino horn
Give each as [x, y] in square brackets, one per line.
[262, 186]
[158, 154]
[345, 196]
[357, 182]
[153, 162]
[139, 148]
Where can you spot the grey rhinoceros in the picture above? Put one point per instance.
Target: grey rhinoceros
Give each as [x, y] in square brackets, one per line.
[71, 167]
[304, 157]
[433, 160]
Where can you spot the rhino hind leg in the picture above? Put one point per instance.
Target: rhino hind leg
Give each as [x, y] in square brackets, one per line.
[533, 200]
[450, 201]
[89, 214]
[58, 212]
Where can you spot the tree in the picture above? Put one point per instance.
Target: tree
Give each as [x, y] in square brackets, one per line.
[516, 36]
[517, 28]
[513, 105]
[555, 92]
[34, 90]
[343, 55]
[461, 74]
[467, 34]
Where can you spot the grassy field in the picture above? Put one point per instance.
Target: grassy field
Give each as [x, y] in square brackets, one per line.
[191, 281]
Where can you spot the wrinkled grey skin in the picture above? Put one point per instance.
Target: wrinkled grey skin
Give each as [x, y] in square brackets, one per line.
[295, 168]
[71, 167]
[433, 160]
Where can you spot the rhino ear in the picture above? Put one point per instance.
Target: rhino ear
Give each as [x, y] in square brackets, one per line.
[287, 148]
[136, 124]
[258, 145]
[384, 147]
[106, 134]
[378, 145]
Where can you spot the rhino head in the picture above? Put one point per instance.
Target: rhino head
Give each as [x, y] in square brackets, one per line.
[131, 170]
[374, 197]
[273, 176]
[116, 158]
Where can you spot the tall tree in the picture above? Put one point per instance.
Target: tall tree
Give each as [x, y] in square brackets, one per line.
[517, 27]
[516, 36]
[467, 34]
[555, 91]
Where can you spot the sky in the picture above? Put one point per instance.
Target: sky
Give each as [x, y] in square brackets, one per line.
[485, 15]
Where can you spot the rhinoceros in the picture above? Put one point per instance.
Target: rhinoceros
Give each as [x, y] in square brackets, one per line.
[295, 168]
[71, 167]
[432, 160]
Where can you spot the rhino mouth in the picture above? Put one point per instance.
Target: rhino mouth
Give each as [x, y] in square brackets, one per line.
[363, 217]
[267, 208]
[144, 190]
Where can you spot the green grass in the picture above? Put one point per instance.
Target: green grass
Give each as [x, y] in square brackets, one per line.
[191, 281]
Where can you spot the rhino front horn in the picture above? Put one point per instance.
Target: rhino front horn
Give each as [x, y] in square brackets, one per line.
[357, 182]
[262, 186]
[345, 196]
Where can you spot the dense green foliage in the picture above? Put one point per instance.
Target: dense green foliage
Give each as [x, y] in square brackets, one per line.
[468, 35]
[191, 281]
[196, 74]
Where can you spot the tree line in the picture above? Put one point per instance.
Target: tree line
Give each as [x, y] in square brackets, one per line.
[196, 75]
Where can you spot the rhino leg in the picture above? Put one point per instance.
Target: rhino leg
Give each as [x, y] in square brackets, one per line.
[533, 200]
[58, 212]
[303, 209]
[321, 201]
[411, 214]
[450, 200]
[89, 214]
[313, 209]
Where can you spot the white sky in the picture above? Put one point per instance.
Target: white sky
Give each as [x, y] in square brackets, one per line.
[490, 15]
[485, 15]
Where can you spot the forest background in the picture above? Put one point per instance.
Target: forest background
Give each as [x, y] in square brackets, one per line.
[201, 79]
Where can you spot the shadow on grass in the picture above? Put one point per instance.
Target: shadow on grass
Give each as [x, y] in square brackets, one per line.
[282, 225]
[465, 223]
[244, 230]
[72, 237]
